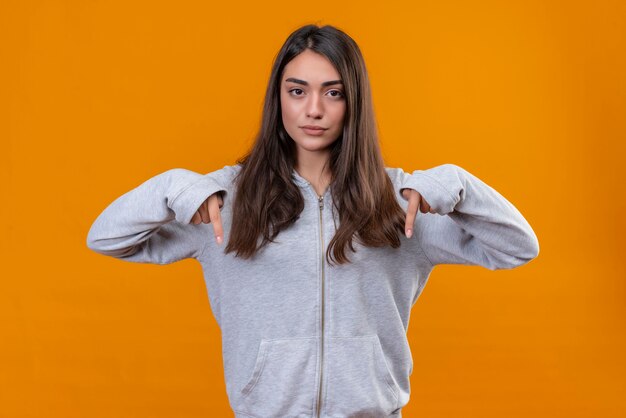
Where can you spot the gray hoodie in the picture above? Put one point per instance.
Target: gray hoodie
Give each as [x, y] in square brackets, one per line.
[302, 338]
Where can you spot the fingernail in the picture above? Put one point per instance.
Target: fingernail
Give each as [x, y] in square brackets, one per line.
[219, 240]
[409, 233]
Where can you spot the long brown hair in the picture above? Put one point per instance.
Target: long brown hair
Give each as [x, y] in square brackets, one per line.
[267, 199]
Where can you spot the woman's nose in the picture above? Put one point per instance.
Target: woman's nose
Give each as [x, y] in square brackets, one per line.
[315, 108]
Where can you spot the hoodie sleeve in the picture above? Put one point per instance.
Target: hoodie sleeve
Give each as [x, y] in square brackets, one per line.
[474, 224]
[151, 223]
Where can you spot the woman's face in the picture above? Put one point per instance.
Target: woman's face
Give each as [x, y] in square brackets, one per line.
[312, 95]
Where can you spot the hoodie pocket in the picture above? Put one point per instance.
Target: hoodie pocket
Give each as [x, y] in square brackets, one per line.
[358, 378]
[282, 383]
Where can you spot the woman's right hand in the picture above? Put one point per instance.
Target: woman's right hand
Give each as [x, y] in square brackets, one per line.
[209, 212]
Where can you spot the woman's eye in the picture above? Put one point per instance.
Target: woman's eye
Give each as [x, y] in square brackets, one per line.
[336, 93]
[296, 90]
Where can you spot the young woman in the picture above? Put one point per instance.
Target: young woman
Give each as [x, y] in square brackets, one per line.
[319, 251]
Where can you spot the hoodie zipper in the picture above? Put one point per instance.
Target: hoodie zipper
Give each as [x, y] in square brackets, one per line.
[319, 394]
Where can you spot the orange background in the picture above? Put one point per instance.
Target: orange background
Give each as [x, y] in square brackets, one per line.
[98, 96]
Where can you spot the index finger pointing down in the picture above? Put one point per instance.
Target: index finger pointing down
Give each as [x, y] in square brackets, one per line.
[411, 212]
[216, 219]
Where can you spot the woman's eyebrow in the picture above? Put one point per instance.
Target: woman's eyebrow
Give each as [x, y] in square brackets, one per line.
[304, 83]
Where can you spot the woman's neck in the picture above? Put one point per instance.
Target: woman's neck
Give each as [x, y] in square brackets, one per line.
[315, 169]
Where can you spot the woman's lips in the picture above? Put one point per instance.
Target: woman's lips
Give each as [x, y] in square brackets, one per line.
[313, 131]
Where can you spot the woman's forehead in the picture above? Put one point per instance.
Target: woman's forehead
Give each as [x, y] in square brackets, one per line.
[312, 68]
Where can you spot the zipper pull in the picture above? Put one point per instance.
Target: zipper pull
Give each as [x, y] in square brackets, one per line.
[321, 200]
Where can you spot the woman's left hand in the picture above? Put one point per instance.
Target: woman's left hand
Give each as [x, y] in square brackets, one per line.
[415, 201]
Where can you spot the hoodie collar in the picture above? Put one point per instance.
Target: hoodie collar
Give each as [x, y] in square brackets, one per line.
[305, 184]
[298, 179]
